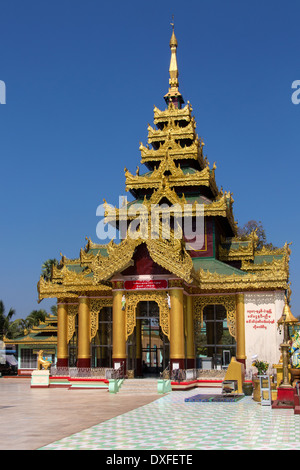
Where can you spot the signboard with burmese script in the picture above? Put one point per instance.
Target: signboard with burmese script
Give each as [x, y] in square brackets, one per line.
[146, 284]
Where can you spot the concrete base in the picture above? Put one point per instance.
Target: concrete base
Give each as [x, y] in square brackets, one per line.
[40, 379]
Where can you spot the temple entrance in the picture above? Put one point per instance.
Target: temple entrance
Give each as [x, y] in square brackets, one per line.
[147, 347]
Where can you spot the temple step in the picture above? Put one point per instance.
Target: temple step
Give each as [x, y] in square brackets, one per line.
[139, 386]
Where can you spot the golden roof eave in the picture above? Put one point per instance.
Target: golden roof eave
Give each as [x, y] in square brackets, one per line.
[245, 250]
[204, 177]
[221, 207]
[52, 340]
[172, 131]
[267, 280]
[67, 289]
[173, 113]
[191, 152]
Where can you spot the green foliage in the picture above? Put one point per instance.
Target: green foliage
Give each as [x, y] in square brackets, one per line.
[47, 268]
[5, 321]
[261, 366]
[249, 227]
[19, 327]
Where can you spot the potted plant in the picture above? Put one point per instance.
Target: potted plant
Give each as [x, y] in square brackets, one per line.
[262, 367]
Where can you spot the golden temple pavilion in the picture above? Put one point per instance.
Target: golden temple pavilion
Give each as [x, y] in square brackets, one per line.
[152, 300]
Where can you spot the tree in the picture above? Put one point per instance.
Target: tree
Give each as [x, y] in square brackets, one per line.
[35, 317]
[47, 268]
[5, 321]
[53, 310]
[21, 326]
[251, 226]
[17, 328]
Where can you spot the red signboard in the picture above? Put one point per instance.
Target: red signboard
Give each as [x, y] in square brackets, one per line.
[146, 284]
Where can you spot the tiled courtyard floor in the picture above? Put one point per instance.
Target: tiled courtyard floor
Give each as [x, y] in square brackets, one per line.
[94, 419]
[170, 423]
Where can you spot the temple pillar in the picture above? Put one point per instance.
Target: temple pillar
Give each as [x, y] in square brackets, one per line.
[176, 328]
[62, 335]
[138, 347]
[84, 333]
[190, 344]
[138, 342]
[119, 330]
[240, 329]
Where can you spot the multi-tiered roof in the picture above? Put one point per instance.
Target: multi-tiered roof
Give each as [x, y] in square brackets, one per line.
[178, 174]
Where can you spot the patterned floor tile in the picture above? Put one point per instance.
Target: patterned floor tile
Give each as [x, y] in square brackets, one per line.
[170, 423]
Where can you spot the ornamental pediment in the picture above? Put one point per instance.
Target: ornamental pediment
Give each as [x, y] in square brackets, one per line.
[176, 177]
[172, 131]
[173, 113]
[176, 151]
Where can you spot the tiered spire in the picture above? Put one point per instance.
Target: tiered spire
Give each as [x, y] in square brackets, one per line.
[179, 173]
[173, 96]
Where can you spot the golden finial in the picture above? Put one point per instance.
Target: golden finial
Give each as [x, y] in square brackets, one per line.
[173, 97]
[173, 40]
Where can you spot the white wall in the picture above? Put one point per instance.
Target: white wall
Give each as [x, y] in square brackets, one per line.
[262, 311]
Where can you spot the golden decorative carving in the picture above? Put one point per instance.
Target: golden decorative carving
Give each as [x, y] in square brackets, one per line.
[72, 312]
[177, 177]
[238, 248]
[222, 206]
[69, 284]
[191, 152]
[132, 300]
[265, 280]
[165, 250]
[279, 265]
[172, 255]
[285, 250]
[175, 283]
[172, 131]
[119, 257]
[182, 114]
[95, 306]
[228, 301]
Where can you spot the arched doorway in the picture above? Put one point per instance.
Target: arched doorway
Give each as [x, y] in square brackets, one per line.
[147, 347]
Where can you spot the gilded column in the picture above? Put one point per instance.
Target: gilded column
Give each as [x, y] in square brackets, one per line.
[84, 333]
[139, 347]
[62, 335]
[138, 342]
[190, 343]
[119, 329]
[176, 328]
[240, 328]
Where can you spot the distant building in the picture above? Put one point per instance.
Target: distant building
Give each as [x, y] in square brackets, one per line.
[42, 336]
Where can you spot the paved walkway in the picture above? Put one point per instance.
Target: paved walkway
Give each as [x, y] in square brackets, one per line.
[32, 418]
[55, 419]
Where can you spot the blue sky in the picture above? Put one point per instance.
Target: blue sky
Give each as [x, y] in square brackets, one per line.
[82, 78]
